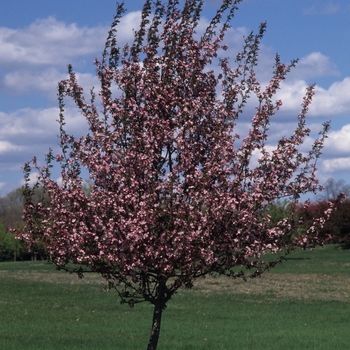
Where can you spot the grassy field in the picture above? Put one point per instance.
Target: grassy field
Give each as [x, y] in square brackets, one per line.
[302, 304]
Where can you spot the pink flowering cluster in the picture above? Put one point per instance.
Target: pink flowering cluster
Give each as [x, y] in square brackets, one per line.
[174, 194]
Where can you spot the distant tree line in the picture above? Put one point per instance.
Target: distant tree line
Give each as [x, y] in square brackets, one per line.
[11, 249]
[338, 227]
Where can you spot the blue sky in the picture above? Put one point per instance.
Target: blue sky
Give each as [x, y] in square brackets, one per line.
[38, 38]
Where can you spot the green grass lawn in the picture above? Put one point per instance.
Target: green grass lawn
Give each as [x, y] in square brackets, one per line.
[302, 304]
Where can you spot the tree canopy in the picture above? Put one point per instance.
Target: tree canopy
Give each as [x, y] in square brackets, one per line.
[175, 193]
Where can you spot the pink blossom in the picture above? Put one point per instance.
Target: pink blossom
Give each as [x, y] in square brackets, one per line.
[175, 194]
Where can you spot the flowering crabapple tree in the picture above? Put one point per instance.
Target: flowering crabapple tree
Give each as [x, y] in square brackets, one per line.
[176, 194]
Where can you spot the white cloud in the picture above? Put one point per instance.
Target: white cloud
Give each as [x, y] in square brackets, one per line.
[35, 58]
[44, 82]
[128, 24]
[338, 142]
[333, 101]
[335, 160]
[30, 122]
[322, 9]
[52, 42]
[336, 165]
[330, 9]
[48, 41]
[33, 131]
[313, 65]
[33, 178]
[6, 146]
[328, 103]
[292, 94]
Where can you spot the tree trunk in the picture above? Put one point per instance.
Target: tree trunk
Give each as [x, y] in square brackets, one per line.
[157, 318]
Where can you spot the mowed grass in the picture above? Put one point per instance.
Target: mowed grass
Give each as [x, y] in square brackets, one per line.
[302, 304]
